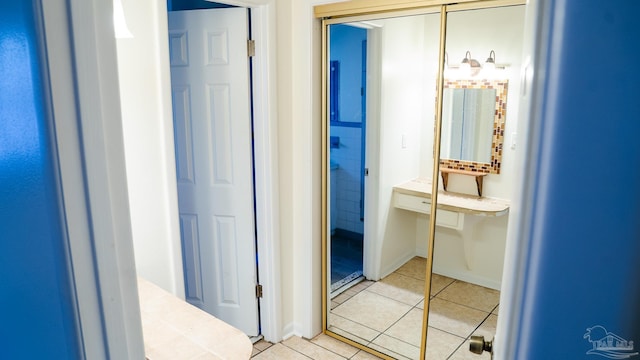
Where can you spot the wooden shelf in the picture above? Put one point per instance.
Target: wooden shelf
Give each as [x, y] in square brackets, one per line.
[444, 172]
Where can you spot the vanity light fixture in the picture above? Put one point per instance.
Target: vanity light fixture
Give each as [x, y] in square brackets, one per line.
[465, 65]
[470, 66]
[490, 64]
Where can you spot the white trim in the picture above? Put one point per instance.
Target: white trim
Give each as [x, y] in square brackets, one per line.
[59, 74]
[85, 106]
[266, 170]
[164, 93]
[514, 275]
[373, 231]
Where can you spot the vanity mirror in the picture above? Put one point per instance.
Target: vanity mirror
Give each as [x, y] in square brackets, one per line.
[473, 120]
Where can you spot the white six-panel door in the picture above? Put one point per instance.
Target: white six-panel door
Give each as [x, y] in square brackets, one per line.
[212, 129]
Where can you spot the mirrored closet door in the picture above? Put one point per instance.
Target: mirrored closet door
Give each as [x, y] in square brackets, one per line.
[478, 163]
[381, 72]
[384, 75]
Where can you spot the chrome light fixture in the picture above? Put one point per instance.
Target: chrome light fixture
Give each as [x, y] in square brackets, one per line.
[490, 64]
[470, 66]
[465, 65]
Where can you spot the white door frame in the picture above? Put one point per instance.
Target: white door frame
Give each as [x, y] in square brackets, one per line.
[94, 49]
[78, 58]
[263, 25]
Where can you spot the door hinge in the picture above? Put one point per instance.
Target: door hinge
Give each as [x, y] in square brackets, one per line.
[251, 48]
[259, 291]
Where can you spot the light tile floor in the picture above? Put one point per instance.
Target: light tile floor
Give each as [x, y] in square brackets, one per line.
[321, 347]
[387, 316]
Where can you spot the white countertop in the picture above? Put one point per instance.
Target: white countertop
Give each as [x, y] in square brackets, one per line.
[463, 203]
[174, 329]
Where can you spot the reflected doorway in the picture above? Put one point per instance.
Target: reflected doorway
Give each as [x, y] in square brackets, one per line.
[348, 74]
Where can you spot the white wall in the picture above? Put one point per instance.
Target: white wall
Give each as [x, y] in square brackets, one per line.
[403, 88]
[148, 136]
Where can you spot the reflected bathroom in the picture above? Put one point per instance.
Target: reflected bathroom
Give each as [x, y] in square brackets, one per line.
[347, 72]
[393, 102]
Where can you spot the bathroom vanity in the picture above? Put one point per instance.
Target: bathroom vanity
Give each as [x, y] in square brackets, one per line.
[460, 212]
[415, 195]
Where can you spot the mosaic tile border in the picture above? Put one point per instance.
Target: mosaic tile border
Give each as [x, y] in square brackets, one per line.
[493, 167]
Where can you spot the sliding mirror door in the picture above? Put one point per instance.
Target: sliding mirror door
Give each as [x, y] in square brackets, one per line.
[478, 146]
[381, 75]
[382, 123]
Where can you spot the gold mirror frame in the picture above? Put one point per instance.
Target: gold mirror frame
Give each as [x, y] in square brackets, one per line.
[363, 8]
[500, 114]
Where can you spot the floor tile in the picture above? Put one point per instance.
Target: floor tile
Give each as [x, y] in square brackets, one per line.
[488, 327]
[349, 335]
[363, 355]
[280, 352]
[475, 296]
[415, 268]
[372, 310]
[351, 328]
[400, 287]
[392, 346]
[363, 285]
[441, 344]
[454, 318]
[439, 282]
[342, 298]
[335, 345]
[310, 349]
[261, 346]
[409, 328]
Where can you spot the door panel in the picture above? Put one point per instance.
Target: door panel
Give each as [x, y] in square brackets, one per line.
[214, 164]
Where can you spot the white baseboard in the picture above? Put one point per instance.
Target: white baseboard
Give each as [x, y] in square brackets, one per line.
[290, 330]
[468, 277]
[396, 264]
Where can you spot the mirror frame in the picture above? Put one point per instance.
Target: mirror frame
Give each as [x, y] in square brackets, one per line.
[497, 143]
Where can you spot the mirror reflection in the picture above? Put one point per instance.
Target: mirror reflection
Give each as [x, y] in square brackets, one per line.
[380, 72]
[471, 231]
[467, 124]
[473, 122]
[379, 145]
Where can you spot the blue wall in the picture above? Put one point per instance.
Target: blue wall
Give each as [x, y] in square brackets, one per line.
[37, 318]
[346, 47]
[585, 239]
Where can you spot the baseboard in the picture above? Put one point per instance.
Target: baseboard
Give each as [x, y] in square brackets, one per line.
[397, 264]
[289, 330]
[468, 277]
